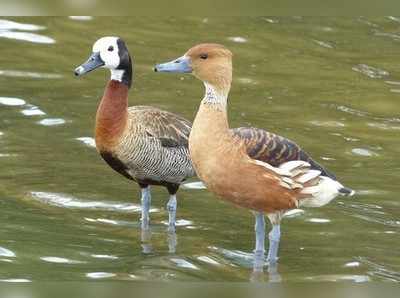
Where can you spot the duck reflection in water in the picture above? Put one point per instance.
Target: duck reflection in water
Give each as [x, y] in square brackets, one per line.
[147, 247]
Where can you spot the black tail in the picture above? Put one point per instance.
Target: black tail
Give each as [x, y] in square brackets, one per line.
[345, 191]
[316, 166]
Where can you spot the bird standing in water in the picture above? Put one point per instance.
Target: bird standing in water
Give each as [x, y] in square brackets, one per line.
[248, 167]
[142, 143]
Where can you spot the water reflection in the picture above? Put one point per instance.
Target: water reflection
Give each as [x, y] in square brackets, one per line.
[89, 141]
[100, 275]
[59, 260]
[12, 101]
[32, 110]
[52, 121]
[29, 74]
[4, 252]
[146, 243]
[13, 30]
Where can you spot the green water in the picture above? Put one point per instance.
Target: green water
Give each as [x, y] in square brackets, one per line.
[330, 84]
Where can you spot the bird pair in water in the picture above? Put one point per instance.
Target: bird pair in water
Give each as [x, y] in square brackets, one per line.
[249, 167]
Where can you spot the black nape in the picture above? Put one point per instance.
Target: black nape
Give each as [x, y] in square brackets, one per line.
[125, 63]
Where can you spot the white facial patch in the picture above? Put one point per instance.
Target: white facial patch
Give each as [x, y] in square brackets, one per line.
[108, 49]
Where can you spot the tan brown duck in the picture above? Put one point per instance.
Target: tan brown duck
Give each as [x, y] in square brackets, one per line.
[144, 144]
[248, 167]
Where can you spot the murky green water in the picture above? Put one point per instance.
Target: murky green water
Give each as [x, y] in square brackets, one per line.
[330, 84]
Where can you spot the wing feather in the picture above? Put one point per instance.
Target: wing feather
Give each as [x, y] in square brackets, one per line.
[170, 129]
[273, 149]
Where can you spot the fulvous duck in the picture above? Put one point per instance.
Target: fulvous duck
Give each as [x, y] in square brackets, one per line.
[142, 143]
[248, 167]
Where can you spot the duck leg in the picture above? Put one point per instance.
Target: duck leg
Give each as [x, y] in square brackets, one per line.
[172, 206]
[146, 202]
[260, 241]
[274, 237]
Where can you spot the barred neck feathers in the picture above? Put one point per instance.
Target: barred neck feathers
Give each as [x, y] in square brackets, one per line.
[112, 114]
[214, 98]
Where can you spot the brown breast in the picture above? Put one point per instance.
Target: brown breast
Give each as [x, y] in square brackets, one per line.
[222, 163]
[112, 115]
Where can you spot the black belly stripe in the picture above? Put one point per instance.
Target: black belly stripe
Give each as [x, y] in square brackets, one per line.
[115, 164]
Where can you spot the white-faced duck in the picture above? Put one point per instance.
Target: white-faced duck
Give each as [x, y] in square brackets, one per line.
[142, 143]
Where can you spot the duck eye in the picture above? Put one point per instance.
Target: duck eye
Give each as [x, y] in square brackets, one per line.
[204, 56]
[110, 48]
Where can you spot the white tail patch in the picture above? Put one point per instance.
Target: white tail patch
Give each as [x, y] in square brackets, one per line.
[321, 194]
[291, 166]
[322, 189]
[279, 171]
[308, 176]
[316, 190]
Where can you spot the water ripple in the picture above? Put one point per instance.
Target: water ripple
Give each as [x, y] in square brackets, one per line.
[11, 25]
[87, 141]
[29, 74]
[238, 257]
[327, 123]
[293, 213]
[370, 71]
[122, 223]
[25, 36]
[194, 185]
[110, 257]
[81, 18]
[184, 264]
[363, 152]
[352, 111]
[393, 36]
[323, 44]
[208, 260]
[99, 275]
[380, 270]
[237, 39]
[12, 101]
[371, 213]
[396, 19]
[384, 126]
[59, 260]
[52, 121]
[68, 201]
[319, 220]
[32, 110]
[339, 277]
[16, 280]
[4, 252]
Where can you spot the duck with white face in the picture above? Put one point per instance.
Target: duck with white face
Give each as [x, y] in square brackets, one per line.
[111, 53]
[142, 143]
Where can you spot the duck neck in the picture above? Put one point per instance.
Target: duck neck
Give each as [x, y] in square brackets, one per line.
[112, 113]
[215, 98]
[211, 120]
[123, 73]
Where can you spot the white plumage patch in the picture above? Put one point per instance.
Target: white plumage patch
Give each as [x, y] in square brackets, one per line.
[108, 49]
[322, 193]
[320, 190]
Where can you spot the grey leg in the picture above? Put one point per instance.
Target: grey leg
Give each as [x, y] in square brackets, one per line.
[146, 202]
[172, 242]
[171, 207]
[274, 238]
[260, 233]
[145, 237]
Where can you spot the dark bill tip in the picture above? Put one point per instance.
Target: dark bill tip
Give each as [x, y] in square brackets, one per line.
[91, 64]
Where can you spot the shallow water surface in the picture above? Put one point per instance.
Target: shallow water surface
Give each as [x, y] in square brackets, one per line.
[330, 84]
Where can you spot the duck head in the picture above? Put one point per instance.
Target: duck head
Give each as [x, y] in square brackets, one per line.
[109, 52]
[211, 63]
